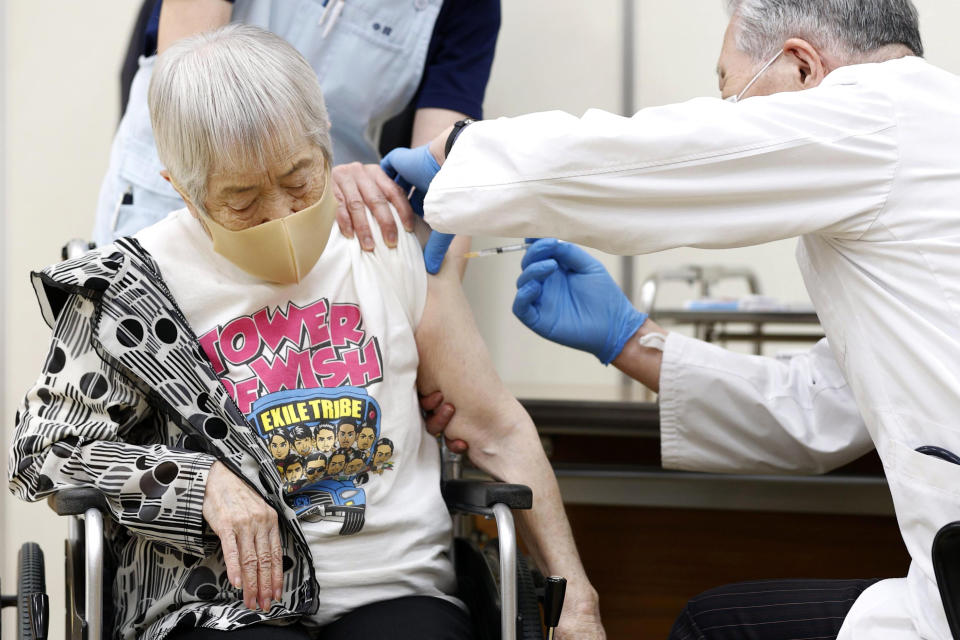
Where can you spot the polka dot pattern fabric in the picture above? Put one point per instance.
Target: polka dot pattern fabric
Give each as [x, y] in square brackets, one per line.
[128, 403]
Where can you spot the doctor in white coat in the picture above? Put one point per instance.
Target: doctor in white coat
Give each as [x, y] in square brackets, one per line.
[841, 135]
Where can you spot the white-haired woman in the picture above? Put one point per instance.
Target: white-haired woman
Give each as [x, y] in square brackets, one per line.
[179, 355]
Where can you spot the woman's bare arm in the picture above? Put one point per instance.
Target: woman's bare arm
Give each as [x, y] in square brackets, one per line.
[503, 439]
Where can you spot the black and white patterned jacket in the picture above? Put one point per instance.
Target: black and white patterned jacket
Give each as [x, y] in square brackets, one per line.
[128, 403]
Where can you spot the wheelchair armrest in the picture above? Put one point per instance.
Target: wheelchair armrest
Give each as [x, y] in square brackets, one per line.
[470, 495]
[75, 502]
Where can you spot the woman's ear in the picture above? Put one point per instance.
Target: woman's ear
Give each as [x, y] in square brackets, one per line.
[192, 209]
[810, 66]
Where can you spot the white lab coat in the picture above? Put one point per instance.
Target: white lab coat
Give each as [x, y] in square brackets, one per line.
[729, 412]
[866, 170]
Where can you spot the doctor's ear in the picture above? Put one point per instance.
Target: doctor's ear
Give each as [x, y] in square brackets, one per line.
[810, 66]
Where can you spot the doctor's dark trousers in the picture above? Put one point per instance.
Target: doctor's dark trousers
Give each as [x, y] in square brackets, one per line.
[769, 610]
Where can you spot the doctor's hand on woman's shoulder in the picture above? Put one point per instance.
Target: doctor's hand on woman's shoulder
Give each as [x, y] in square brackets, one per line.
[566, 295]
[249, 534]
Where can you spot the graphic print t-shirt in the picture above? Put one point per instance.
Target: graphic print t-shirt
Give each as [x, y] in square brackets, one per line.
[325, 372]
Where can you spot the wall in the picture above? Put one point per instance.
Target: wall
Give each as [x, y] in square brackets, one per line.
[58, 98]
[62, 77]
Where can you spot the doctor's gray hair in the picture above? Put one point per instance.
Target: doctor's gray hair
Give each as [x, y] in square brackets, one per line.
[235, 98]
[852, 29]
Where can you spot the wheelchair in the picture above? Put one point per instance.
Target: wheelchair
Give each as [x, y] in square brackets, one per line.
[494, 580]
[498, 584]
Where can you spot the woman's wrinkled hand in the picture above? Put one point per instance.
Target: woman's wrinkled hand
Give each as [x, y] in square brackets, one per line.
[249, 533]
[437, 415]
[580, 619]
[358, 187]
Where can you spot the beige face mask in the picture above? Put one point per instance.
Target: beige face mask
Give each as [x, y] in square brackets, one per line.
[284, 250]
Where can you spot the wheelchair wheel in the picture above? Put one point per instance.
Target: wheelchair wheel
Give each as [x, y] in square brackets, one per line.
[529, 626]
[528, 607]
[477, 587]
[30, 580]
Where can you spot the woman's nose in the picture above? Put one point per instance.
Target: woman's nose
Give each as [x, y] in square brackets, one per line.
[278, 208]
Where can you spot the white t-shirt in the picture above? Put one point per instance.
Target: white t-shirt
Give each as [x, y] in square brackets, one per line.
[325, 371]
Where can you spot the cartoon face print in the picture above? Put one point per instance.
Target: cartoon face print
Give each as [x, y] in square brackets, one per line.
[354, 466]
[325, 438]
[294, 471]
[303, 440]
[346, 435]
[383, 453]
[337, 461]
[304, 446]
[279, 446]
[316, 467]
[366, 437]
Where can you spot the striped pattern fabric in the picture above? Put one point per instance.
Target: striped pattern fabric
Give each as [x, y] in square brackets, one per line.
[769, 610]
[127, 402]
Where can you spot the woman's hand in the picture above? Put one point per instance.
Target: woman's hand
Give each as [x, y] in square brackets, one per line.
[358, 187]
[249, 534]
[581, 627]
[437, 415]
[580, 619]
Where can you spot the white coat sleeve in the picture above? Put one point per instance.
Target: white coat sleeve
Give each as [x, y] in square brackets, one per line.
[729, 412]
[705, 173]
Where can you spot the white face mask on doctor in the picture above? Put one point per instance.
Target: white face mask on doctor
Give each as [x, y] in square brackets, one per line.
[739, 96]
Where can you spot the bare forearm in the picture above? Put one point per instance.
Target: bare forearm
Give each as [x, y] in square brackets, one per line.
[183, 18]
[503, 440]
[639, 362]
[519, 458]
[430, 122]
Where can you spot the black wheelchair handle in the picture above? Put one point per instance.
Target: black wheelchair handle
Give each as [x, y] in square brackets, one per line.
[554, 591]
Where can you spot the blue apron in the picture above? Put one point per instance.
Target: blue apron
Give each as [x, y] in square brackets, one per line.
[369, 65]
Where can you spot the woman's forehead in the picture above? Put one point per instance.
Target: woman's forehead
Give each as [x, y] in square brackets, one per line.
[240, 171]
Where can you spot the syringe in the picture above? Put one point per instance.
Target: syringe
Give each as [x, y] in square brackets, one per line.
[494, 251]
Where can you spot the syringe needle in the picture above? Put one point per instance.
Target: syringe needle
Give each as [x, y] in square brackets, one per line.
[495, 251]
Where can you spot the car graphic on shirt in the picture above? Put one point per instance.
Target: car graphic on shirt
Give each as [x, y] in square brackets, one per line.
[332, 500]
[279, 418]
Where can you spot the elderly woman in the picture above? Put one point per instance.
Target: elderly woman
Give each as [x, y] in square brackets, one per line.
[186, 362]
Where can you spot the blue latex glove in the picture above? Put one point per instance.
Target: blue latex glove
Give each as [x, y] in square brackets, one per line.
[416, 168]
[566, 295]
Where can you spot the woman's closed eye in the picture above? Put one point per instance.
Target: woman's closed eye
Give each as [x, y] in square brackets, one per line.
[241, 207]
[298, 188]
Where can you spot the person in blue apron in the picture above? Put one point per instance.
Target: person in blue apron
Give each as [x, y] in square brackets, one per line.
[372, 57]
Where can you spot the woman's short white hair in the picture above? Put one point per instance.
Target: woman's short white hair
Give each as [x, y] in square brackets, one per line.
[235, 97]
